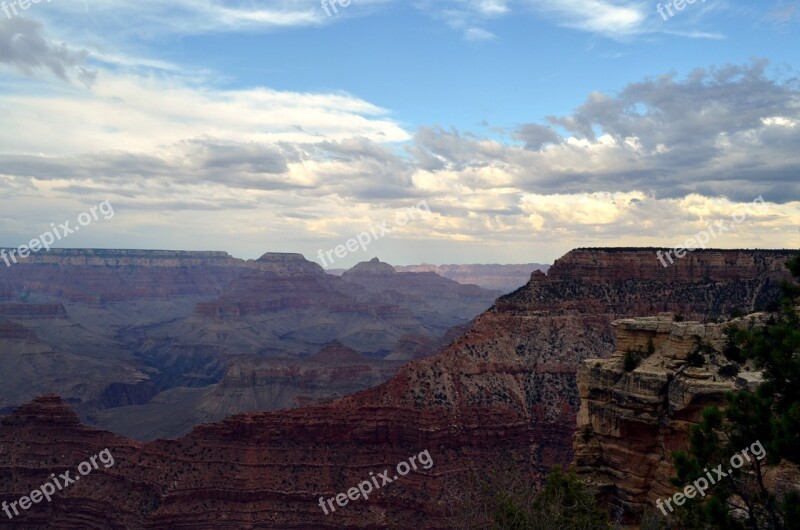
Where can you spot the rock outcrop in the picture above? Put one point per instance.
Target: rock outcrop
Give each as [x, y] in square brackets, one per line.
[630, 421]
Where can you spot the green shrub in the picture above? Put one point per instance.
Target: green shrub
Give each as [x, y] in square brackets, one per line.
[563, 504]
[631, 360]
[587, 433]
[731, 350]
[696, 359]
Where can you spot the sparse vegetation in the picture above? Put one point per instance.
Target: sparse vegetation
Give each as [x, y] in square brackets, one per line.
[729, 370]
[771, 416]
[504, 501]
[697, 356]
[731, 350]
[633, 358]
[696, 359]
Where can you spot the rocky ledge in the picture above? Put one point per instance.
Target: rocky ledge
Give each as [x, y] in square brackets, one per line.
[629, 422]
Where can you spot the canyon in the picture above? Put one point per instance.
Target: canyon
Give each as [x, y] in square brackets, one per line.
[113, 330]
[505, 392]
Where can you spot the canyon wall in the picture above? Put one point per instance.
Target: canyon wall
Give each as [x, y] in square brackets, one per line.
[98, 276]
[505, 278]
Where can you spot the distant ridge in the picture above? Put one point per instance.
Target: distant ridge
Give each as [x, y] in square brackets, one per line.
[504, 278]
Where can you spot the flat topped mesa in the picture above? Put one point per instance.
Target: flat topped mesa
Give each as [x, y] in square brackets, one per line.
[282, 257]
[128, 257]
[288, 262]
[616, 264]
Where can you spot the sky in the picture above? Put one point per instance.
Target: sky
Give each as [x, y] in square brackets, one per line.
[455, 131]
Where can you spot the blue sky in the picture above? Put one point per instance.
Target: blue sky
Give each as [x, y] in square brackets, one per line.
[426, 72]
[529, 127]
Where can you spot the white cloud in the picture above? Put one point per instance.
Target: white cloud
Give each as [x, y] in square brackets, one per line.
[478, 34]
[596, 16]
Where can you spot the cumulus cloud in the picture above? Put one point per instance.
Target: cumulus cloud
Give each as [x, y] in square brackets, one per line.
[536, 135]
[719, 131]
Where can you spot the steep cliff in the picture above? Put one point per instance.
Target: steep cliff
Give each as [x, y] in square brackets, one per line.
[630, 421]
